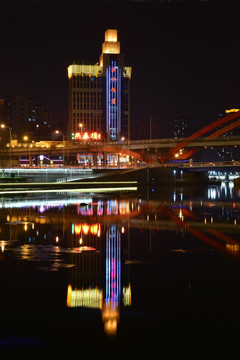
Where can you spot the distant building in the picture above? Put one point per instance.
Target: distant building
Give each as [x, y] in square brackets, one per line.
[183, 127]
[99, 95]
[25, 117]
[229, 153]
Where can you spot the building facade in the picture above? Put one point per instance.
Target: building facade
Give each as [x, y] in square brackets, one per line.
[229, 153]
[99, 95]
[183, 127]
[26, 117]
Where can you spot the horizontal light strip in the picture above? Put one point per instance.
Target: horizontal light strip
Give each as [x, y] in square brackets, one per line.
[66, 182]
[68, 190]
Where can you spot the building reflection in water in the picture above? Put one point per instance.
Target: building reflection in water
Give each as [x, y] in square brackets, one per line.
[96, 282]
[110, 313]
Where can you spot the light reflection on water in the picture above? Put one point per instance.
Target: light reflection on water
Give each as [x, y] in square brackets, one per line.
[103, 245]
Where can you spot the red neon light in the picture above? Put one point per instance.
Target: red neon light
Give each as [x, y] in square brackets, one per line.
[86, 136]
[114, 101]
[95, 136]
[77, 136]
[114, 79]
[113, 69]
[113, 90]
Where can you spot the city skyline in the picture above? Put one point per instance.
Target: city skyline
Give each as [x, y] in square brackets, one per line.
[184, 57]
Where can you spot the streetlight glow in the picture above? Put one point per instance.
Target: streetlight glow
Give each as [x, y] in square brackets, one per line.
[3, 126]
[61, 133]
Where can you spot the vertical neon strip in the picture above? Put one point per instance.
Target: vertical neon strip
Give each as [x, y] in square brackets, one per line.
[107, 101]
[113, 109]
[113, 266]
[118, 125]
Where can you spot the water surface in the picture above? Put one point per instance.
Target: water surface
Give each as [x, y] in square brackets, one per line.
[159, 266]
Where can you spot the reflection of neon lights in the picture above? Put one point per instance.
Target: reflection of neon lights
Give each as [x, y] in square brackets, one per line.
[43, 204]
[85, 211]
[113, 266]
[91, 298]
[85, 229]
[94, 229]
[99, 208]
[83, 248]
[127, 295]
[77, 229]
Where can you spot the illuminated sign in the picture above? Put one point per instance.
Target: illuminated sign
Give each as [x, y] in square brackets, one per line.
[113, 100]
[93, 136]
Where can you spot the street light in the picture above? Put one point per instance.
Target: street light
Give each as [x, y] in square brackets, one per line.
[61, 133]
[3, 126]
[81, 128]
[25, 138]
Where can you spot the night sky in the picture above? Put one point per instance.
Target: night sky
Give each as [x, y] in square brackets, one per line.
[185, 55]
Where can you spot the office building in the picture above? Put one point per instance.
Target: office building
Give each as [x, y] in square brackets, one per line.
[183, 127]
[99, 95]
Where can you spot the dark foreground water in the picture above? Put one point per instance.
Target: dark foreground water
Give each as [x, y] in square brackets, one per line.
[150, 269]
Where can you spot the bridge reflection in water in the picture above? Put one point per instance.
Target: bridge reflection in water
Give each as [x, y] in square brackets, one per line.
[98, 240]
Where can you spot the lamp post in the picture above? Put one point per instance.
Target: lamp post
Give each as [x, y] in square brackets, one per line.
[3, 126]
[61, 133]
[25, 138]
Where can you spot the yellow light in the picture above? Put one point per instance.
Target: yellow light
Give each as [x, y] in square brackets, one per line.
[85, 229]
[233, 248]
[77, 229]
[110, 317]
[83, 70]
[111, 35]
[94, 229]
[231, 111]
[69, 295]
[91, 298]
[127, 295]
[111, 44]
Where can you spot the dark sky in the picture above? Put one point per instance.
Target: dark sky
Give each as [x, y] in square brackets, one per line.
[185, 54]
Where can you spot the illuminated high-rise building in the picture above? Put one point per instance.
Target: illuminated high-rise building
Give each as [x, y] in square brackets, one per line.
[99, 95]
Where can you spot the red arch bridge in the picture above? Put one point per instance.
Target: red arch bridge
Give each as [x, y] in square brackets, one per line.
[157, 151]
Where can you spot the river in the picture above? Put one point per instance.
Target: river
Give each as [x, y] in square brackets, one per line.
[150, 268]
